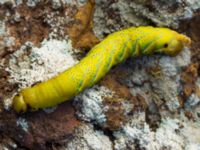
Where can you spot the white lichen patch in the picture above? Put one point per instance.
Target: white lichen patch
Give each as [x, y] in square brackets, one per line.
[193, 100]
[135, 131]
[2, 28]
[159, 78]
[166, 135]
[57, 24]
[179, 133]
[89, 104]
[87, 138]
[172, 65]
[7, 102]
[7, 1]
[193, 4]
[56, 4]
[31, 65]
[14, 3]
[32, 3]
[126, 13]
[195, 146]
[198, 82]
[72, 2]
[21, 122]
[172, 134]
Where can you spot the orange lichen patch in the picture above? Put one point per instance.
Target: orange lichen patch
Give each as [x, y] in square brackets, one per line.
[189, 115]
[189, 77]
[116, 116]
[197, 91]
[155, 71]
[141, 102]
[181, 100]
[117, 113]
[121, 90]
[190, 74]
[81, 31]
[195, 50]
[188, 89]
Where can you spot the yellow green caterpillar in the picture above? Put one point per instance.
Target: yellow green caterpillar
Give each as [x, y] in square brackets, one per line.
[112, 50]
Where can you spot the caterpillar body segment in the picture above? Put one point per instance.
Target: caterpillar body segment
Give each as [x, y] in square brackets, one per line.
[115, 48]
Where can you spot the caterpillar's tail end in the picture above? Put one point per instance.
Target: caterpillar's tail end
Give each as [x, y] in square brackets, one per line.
[19, 104]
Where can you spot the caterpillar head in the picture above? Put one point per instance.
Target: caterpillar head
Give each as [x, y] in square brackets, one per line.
[19, 104]
[171, 43]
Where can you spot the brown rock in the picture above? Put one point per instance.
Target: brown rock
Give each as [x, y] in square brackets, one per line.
[42, 128]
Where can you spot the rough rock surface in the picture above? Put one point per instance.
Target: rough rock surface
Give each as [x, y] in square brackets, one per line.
[144, 103]
[114, 15]
[86, 138]
[171, 134]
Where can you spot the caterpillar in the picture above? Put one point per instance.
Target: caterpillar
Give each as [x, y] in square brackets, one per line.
[115, 48]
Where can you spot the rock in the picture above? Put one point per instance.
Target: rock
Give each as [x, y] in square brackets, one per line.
[89, 104]
[150, 102]
[88, 138]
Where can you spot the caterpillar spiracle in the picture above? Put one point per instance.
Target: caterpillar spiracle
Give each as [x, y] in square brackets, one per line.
[115, 48]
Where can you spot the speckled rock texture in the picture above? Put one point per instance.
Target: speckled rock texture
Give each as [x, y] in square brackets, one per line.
[146, 103]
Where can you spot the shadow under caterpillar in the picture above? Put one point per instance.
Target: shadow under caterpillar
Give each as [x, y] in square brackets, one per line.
[115, 48]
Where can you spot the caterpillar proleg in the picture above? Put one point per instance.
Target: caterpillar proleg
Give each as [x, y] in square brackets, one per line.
[115, 48]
